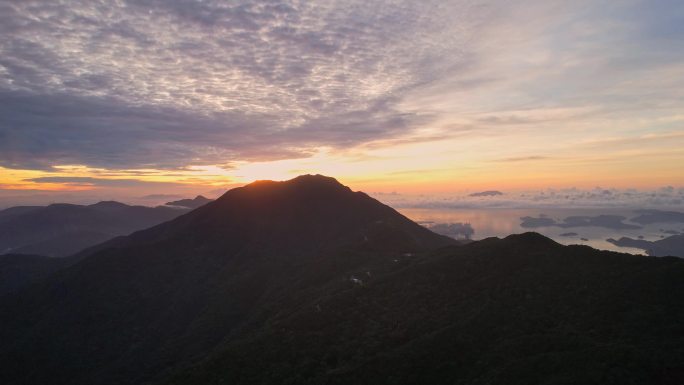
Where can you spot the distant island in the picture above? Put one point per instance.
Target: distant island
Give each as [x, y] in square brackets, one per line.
[488, 193]
[658, 216]
[670, 246]
[453, 230]
[615, 222]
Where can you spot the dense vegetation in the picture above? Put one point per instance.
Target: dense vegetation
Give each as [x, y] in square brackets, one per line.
[307, 282]
[20, 270]
[522, 310]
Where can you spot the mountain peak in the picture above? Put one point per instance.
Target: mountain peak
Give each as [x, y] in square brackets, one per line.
[308, 180]
[306, 214]
[531, 238]
[108, 205]
[302, 189]
[315, 178]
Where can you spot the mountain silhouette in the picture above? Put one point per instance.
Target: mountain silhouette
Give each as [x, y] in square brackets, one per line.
[174, 291]
[190, 203]
[307, 281]
[63, 229]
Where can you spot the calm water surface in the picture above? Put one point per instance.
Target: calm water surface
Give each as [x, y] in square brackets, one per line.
[495, 222]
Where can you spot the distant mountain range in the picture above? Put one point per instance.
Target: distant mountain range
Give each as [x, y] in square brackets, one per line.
[309, 282]
[190, 203]
[62, 229]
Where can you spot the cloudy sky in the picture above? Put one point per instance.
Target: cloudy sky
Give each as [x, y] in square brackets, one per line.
[175, 97]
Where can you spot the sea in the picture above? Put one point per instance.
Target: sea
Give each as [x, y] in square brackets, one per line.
[500, 222]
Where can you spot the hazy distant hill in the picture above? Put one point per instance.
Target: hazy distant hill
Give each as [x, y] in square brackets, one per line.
[670, 246]
[658, 216]
[59, 230]
[190, 203]
[308, 282]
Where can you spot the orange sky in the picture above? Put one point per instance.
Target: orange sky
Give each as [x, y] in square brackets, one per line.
[442, 166]
[401, 96]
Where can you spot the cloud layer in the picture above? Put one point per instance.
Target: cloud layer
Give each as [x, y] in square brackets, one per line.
[519, 91]
[550, 198]
[165, 84]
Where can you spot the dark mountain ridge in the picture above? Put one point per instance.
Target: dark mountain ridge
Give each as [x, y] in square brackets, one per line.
[174, 291]
[308, 282]
[63, 229]
[519, 310]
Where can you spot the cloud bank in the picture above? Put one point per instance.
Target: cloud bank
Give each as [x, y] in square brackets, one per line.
[666, 197]
[567, 87]
[166, 84]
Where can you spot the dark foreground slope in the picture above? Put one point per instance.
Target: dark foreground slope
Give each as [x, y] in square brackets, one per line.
[522, 310]
[306, 282]
[20, 270]
[60, 230]
[154, 302]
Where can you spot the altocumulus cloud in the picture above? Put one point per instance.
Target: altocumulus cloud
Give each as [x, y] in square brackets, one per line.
[173, 83]
[165, 84]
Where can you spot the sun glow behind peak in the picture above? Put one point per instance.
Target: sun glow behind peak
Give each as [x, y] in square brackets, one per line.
[390, 96]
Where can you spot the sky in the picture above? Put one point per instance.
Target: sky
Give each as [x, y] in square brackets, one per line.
[153, 99]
